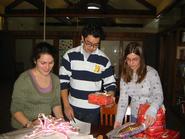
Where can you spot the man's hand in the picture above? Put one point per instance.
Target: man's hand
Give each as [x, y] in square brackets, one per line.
[110, 105]
[68, 110]
[112, 93]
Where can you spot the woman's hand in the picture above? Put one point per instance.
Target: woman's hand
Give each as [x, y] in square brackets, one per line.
[117, 124]
[35, 122]
[68, 110]
[149, 120]
[150, 116]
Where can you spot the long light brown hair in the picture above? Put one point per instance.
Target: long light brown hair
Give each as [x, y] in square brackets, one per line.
[127, 72]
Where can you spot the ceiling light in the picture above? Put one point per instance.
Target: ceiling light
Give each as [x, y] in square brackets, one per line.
[93, 6]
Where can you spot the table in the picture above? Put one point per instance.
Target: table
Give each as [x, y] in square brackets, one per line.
[100, 130]
[95, 131]
[20, 134]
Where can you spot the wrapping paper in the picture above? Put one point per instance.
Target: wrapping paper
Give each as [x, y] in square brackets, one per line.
[126, 131]
[49, 128]
[158, 127]
[100, 98]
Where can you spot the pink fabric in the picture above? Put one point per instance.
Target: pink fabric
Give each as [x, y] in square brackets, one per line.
[49, 125]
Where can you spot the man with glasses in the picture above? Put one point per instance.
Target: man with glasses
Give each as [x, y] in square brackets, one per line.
[85, 69]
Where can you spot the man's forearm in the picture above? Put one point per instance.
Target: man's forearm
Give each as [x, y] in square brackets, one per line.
[64, 96]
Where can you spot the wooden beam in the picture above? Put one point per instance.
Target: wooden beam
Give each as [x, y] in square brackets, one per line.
[147, 5]
[163, 5]
[168, 7]
[40, 5]
[37, 3]
[83, 13]
[105, 25]
[13, 5]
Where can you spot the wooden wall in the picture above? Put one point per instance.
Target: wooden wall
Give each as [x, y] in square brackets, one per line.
[7, 56]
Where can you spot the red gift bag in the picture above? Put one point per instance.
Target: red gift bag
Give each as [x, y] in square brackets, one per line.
[158, 127]
[100, 98]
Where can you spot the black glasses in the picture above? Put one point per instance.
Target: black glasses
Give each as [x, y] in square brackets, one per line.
[89, 44]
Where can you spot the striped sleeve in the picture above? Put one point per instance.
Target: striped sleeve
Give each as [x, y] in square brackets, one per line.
[65, 72]
[109, 82]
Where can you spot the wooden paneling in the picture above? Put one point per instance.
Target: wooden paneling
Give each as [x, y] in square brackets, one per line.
[7, 56]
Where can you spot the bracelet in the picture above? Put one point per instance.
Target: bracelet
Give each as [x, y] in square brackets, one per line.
[28, 124]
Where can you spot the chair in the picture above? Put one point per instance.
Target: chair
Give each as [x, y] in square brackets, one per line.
[107, 118]
[107, 115]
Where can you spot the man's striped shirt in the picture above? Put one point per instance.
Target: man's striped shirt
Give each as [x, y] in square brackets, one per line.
[83, 76]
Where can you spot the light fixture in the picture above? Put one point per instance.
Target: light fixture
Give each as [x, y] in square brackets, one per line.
[93, 6]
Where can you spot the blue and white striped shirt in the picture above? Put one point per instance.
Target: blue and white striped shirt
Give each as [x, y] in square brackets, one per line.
[83, 76]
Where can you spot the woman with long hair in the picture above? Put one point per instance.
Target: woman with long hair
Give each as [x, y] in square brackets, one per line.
[141, 83]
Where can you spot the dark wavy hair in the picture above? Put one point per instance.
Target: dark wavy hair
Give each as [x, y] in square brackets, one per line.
[127, 72]
[93, 29]
[43, 48]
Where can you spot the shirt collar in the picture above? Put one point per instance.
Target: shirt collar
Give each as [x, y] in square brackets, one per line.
[82, 50]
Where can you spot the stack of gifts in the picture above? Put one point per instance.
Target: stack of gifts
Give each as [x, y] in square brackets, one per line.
[159, 126]
[139, 130]
[100, 98]
[158, 129]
